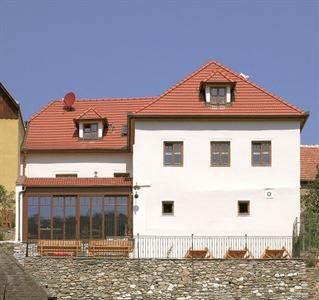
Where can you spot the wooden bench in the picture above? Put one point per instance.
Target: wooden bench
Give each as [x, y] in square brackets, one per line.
[198, 254]
[275, 253]
[59, 247]
[238, 254]
[110, 248]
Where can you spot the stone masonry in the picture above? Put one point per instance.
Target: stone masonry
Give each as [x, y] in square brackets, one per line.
[89, 278]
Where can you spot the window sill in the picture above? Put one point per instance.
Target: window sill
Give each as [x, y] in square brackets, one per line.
[243, 215]
[173, 165]
[167, 215]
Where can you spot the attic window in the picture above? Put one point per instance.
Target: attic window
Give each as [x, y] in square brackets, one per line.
[124, 130]
[90, 131]
[218, 95]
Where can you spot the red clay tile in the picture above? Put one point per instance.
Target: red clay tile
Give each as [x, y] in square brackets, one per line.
[309, 162]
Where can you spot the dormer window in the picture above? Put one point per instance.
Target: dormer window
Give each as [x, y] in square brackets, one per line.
[218, 95]
[91, 125]
[90, 131]
[217, 89]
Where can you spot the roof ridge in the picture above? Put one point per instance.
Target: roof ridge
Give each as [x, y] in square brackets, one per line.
[175, 86]
[261, 88]
[119, 98]
[42, 110]
[310, 146]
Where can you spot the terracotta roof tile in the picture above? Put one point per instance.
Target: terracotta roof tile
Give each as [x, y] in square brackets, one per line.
[90, 114]
[250, 99]
[309, 162]
[217, 77]
[53, 127]
[77, 182]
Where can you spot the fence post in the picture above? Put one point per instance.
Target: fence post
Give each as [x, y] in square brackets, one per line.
[27, 249]
[245, 240]
[138, 246]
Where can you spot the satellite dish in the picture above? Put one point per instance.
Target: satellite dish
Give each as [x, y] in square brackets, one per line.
[69, 100]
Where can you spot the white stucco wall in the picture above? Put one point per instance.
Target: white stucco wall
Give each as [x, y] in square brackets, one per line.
[205, 198]
[83, 164]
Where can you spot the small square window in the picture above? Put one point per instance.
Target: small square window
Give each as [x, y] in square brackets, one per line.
[243, 208]
[167, 208]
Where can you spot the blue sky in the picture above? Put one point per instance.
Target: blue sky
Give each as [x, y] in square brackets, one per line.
[140, 48]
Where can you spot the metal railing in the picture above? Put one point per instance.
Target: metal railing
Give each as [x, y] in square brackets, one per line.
[162, 247]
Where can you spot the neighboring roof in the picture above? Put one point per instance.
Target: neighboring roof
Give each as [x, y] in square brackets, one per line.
[249, 100]
[53, 127]
[309, 162]
[77, 182]
[13, 103]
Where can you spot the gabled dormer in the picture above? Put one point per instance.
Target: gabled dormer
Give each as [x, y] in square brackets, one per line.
[91, 124]
[218, 89]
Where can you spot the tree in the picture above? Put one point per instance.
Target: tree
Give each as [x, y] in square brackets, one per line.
[311, 198]
[7, 200]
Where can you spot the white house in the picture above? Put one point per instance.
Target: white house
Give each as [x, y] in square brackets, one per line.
[213, 155]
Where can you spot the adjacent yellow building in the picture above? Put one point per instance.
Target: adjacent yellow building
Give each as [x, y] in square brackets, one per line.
[11, 136]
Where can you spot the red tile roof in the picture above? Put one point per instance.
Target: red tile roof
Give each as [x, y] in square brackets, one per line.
[53, 128]
[217, 77]
[250, 99]
[309, 161]
[77, 182]
[90, 114]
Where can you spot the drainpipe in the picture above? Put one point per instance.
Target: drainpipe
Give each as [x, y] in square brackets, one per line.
[19, 211]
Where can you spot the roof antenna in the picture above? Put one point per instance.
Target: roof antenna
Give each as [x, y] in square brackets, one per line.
[69, 100]
[244, 75]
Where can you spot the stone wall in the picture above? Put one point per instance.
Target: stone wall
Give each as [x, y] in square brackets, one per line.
[89, 278]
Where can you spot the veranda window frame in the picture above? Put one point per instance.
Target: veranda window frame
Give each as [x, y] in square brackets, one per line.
[25, 233]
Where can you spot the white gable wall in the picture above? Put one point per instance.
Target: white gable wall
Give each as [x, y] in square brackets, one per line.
[82, 164]
[205, 198]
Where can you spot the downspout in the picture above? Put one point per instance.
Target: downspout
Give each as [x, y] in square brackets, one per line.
[19, 211]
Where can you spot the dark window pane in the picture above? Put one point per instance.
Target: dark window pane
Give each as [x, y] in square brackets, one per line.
[109, 216]
[70, 214]
[213, 91]
[122, 220]
[32, 219]
[84, 217]
[243, 207]
[45, 222]
[215, 158]
[97, 217]
[265, 158]
[221, 91]
[58, 217]
[225, 160]
[167, 207]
